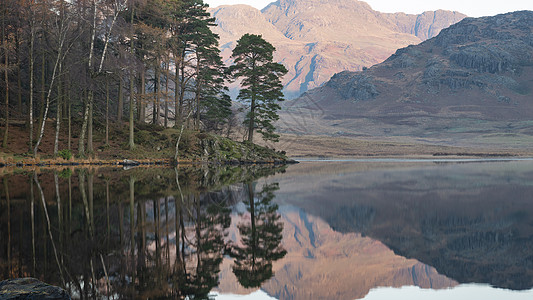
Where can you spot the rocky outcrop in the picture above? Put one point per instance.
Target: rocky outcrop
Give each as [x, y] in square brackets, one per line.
[425, 25]
[31, 289]
[315, 39]
[358, 87]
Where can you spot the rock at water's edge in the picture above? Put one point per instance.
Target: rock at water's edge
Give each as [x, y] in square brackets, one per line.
[30, 288]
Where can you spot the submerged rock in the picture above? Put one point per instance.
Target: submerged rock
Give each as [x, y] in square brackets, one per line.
[30, 288]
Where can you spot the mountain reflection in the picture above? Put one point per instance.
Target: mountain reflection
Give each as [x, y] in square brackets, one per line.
[131, 234]
[472, 222]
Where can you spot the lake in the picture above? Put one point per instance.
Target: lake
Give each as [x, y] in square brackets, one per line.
[336, 229]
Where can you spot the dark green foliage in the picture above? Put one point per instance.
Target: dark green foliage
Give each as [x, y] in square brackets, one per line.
[261, 83]
[65, 154]
[261, 239]
[66, 173]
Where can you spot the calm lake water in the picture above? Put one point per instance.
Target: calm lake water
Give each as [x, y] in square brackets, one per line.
[363, 229]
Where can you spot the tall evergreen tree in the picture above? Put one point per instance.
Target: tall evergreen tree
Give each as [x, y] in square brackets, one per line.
[213, 105]
[261, 83]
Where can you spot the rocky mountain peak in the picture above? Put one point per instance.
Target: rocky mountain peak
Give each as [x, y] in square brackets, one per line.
[318, 38]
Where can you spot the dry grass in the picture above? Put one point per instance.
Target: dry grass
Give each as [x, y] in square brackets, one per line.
[324, 146]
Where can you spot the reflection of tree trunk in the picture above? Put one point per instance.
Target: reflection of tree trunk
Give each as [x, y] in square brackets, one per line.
[107, 199]
[107, 110]
[141, 250]
[198, 235]
[120, 221]
[69, 200]
[49, 228]
[59, 211]
[157, 238]
[166, 229]
[85, 203]
[90, 183]
[252, 219]
[6, 189]
[21, 238]
[33, 228]
[132, 226]
[180, 230]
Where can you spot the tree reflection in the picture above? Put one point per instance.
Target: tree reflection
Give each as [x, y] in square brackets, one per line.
[260, 238]
[135, 235]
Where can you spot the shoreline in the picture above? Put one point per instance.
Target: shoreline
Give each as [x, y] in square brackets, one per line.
[50, 163]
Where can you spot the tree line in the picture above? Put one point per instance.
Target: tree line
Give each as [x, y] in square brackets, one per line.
[118, 62]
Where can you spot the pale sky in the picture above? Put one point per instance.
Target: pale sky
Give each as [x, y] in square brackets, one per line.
[472, 8]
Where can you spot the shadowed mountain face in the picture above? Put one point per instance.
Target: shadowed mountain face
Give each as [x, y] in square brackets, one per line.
[470, 82]
[315, 39]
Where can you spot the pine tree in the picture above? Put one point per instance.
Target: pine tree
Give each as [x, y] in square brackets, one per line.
[213, 105]
[261, 84]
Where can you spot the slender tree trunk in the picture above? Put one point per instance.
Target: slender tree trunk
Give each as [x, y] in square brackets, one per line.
[132, 119]
[19, 79]
[81, 147]
[90, 148]
[155, 108]
[166, 92]
[131, 142]
[62, 37]
[6, 59]
[182, 88]
[43, 87]
[69, 109]
[58, 112]
[142, 105]
[177, 115]
[120, 109]
[32, 62]
[251, 121]
[198, 91]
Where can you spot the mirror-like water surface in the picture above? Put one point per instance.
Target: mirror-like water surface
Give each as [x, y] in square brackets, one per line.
[316, 230]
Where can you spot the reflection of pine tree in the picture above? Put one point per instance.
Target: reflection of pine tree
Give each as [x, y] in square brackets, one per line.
[261, 239]
[210, 228]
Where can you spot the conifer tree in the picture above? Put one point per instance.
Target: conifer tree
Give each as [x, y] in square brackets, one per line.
[261, 84]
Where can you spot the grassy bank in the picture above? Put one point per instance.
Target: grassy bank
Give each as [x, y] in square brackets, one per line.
[153, 145]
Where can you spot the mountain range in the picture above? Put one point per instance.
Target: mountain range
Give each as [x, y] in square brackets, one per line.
[315, 39]
[469, 85]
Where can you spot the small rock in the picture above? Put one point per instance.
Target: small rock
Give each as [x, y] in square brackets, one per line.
[30, 288]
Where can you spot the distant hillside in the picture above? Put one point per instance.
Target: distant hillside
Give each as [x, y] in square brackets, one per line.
[472, 84]
[317, 38]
